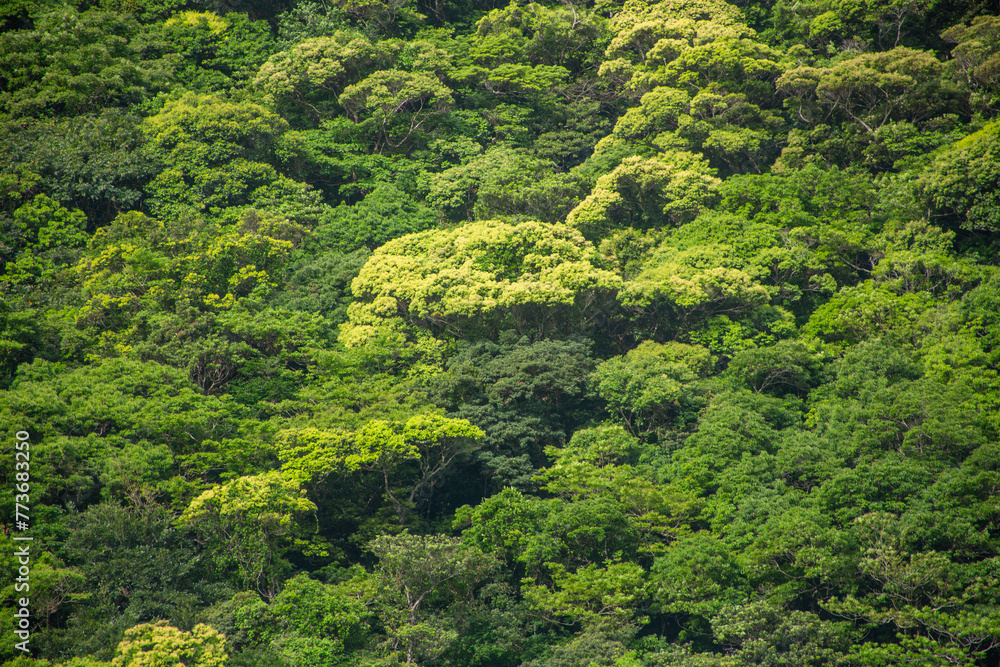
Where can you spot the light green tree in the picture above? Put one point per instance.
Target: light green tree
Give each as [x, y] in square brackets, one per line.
[250, 521]
[217, 154]
[315, 71]
[432, 442]
[591, 594]
[161, 645]
[396, 104]
[668, 189]
[453, 282]
[682, 43]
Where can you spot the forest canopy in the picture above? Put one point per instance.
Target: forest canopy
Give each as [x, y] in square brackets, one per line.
[476, 333]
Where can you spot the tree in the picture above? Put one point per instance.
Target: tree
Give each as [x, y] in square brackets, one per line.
[697, 575]
[872, 89]
[868, 310]
[727, 128]
[395, 104]
[465, 279]
[51, 237]
[321, 622]
[281, 277]
[671, 188]
[54, 591]
[137, 565]
[788, 365]
[132, 400]
[210, 52]
[916, 592]
[503, 182]
[161, 645]
[763, 633]
[316, 70]
[134, 263]
[218, 154]
[736, 425]
[433, 442]
[251, 523]
[691, 292]
[975, 58]
[654, 387]
[685, 44]
[533, 33]
[420, 571]
[386, 213]
[961, 181]
[95, 162]
[503, 524]
[384, 16]
[832, 212]
[70, 62]
[609, 594]
[524, 396]
[628, 509]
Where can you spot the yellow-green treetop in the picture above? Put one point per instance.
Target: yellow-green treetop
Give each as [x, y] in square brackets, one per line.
[439, 279]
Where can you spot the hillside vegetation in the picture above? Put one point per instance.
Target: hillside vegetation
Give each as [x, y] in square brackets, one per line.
[457, 333]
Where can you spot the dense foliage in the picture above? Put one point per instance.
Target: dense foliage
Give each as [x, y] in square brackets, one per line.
[456, 333]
